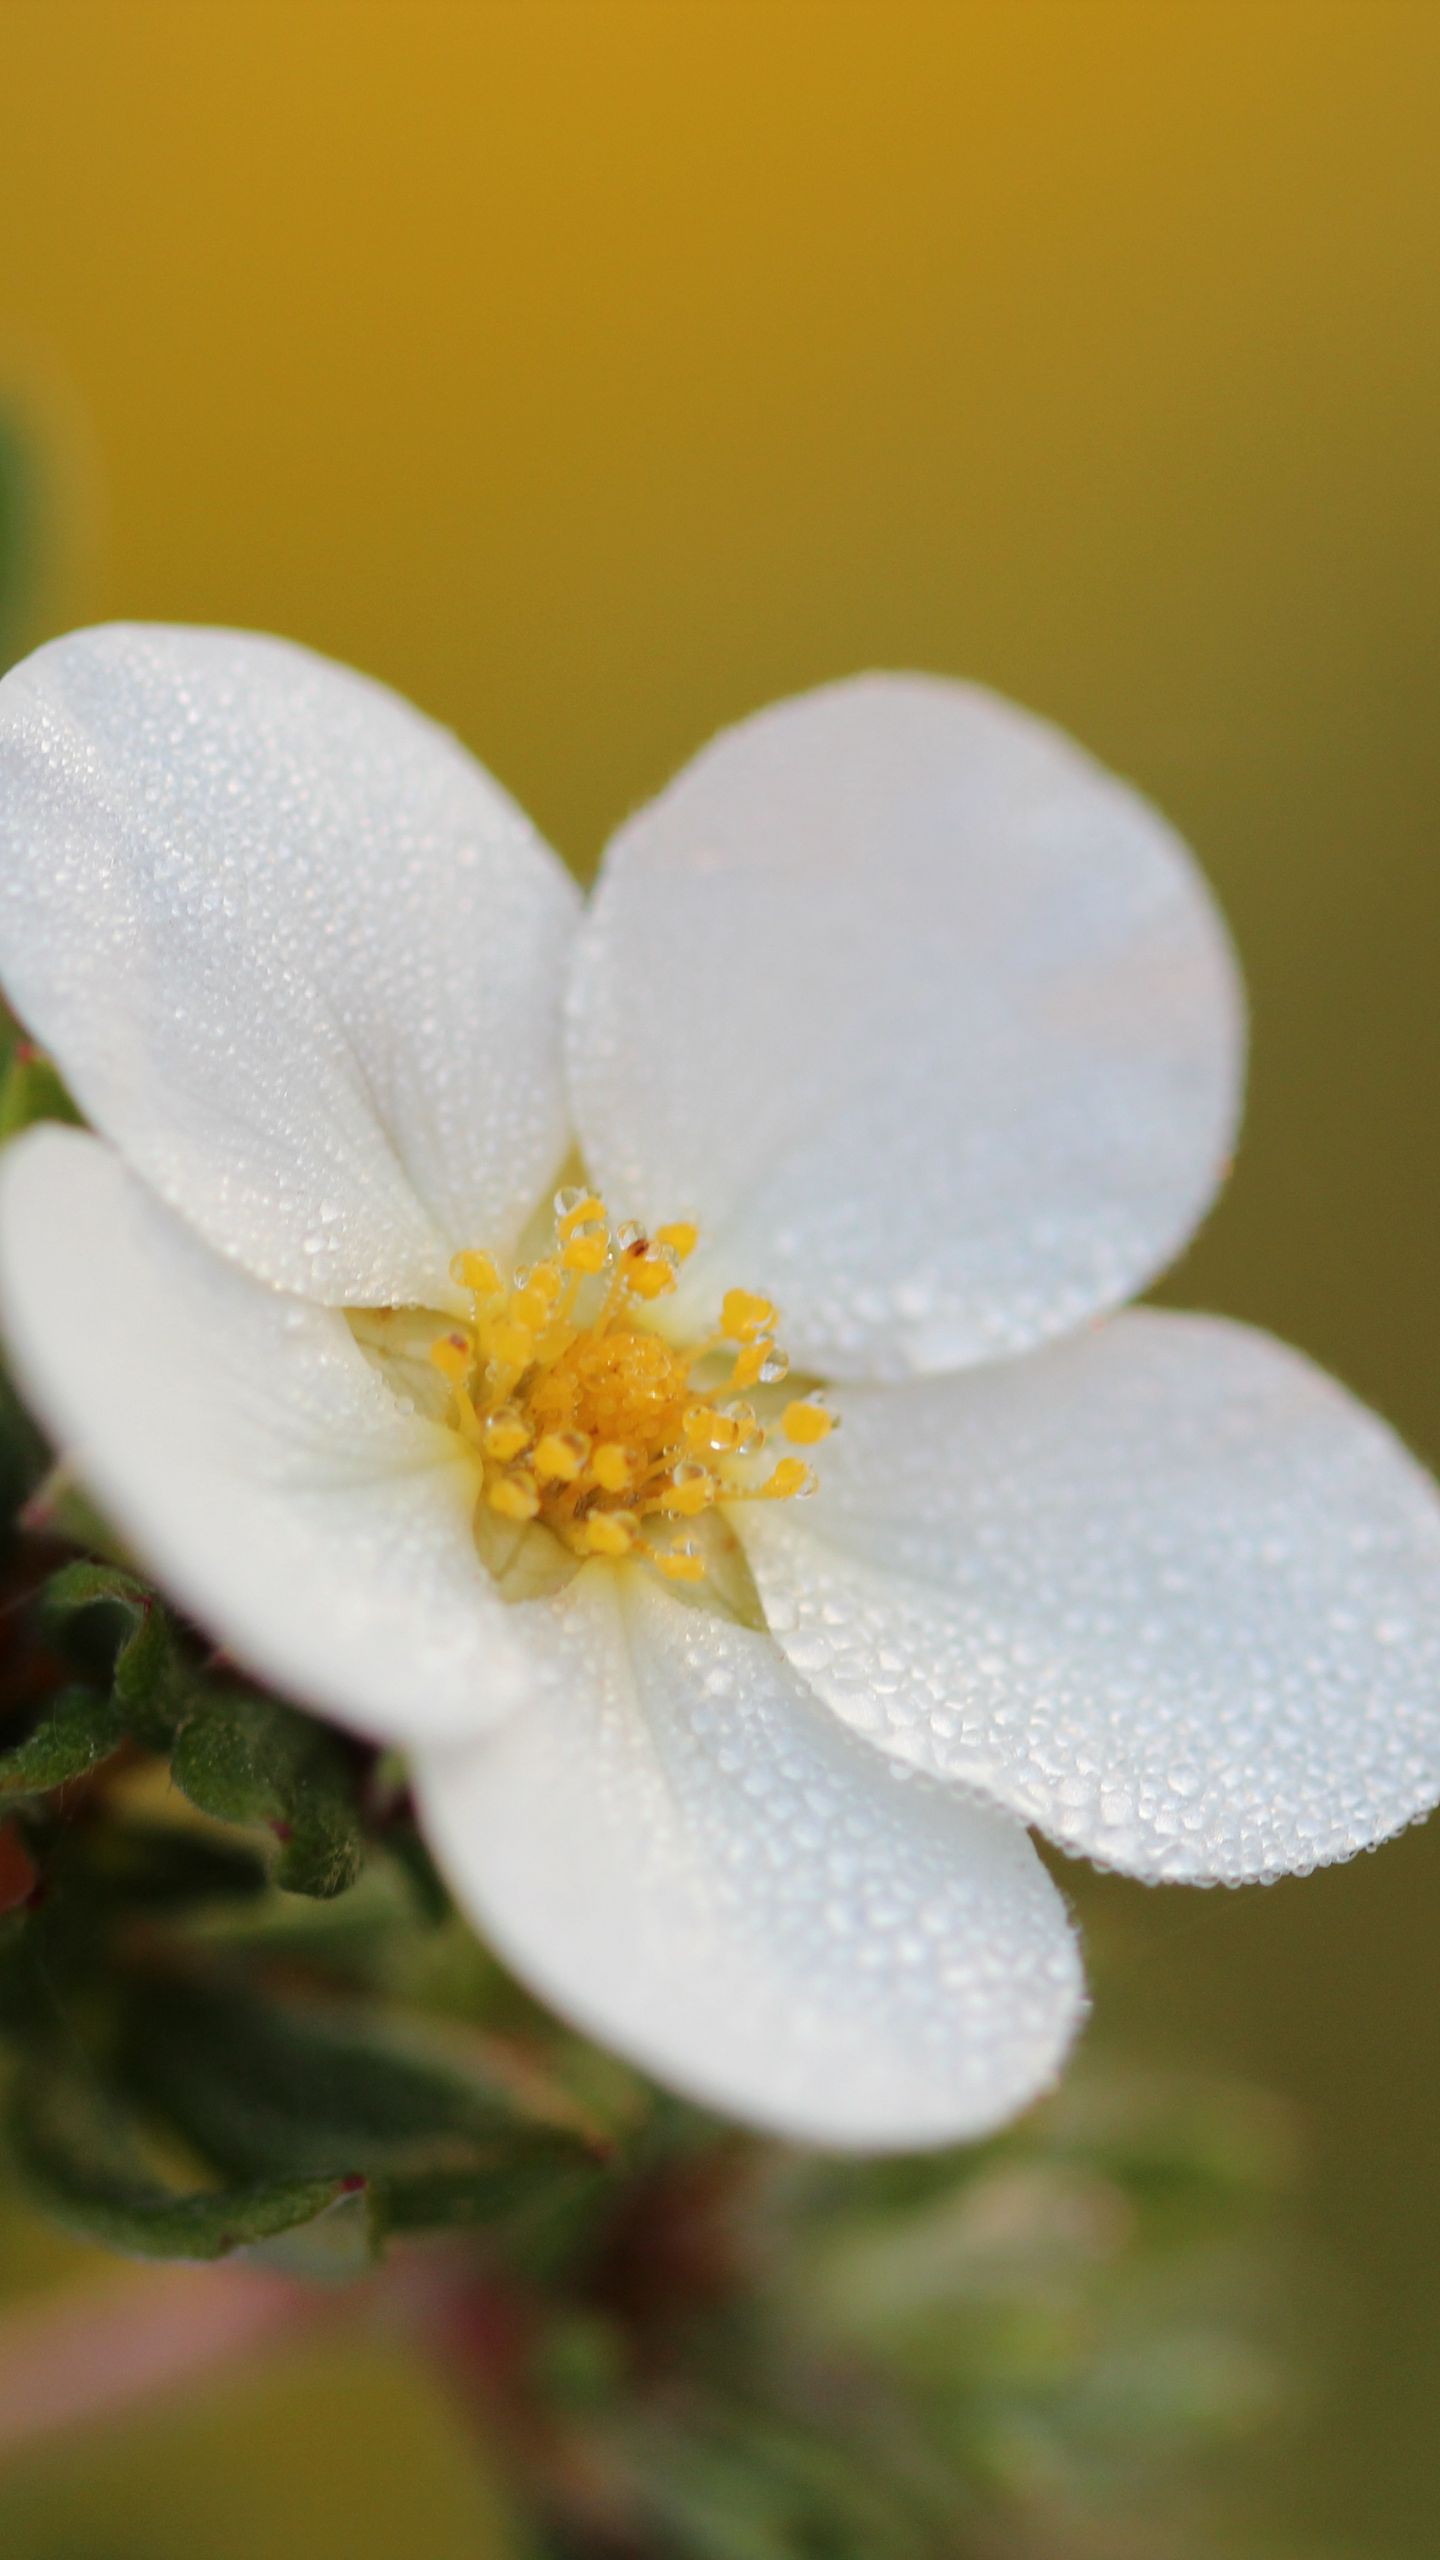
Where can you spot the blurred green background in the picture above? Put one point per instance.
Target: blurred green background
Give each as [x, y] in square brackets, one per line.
[594, 371]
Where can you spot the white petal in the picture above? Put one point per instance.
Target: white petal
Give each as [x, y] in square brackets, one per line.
[928, 1019]
[681, 1849]
[294, 950]
[240, 1439]
[1165, 1590]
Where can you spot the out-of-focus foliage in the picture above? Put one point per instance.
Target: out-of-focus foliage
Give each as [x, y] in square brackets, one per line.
[182, 2083]
[16, 535]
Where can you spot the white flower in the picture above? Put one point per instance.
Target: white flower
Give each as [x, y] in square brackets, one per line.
[928, 1026]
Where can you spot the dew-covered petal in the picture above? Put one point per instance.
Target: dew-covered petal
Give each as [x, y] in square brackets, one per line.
[240, 1441]
[683, 1851]
[295, 951]
[1165, 1590]
[927, 1018]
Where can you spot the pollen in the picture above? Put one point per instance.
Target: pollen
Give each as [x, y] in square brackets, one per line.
[587, 1422]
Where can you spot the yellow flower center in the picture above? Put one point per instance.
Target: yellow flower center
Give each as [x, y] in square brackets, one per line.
[585, 1419]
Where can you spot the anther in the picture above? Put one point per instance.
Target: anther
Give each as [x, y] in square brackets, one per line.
[575, 1207]
[560, 1456]
[586, 1251]
[612, 1465]
[609, 1533]
[711, 1431]
[691, 1488]
[510, 1345]
[515, 1497]
[749, 1366]
[652, 1277]
[807, 1421]
[681, 1563]
[533, 1304]
[751, 1437]
[505, 1434]
[476, 1272]
[744, 1315]
[451, 1354]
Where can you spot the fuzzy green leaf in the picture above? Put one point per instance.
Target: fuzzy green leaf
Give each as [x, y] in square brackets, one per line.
[76, 1730]
[538, 2194]
[244, 1758]
[113, 1626]
[83, 2163]
[265, 2092]
[238, 1756]
[262, 2089]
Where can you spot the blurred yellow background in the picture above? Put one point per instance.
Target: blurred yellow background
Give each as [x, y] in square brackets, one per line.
[594, 371]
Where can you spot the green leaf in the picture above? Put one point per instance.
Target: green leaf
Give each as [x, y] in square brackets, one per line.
[537, 2192]
[115, 1628]
[238, 1756]
[77, 1729]
[82, 2160]
[261, 2091]
[244, 1758]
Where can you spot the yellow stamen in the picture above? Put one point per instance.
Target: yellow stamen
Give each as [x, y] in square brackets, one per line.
[588, 1211]
[650, 1278]
[509, 1344]
[451, 1354]
[585, 1420]
[476, 1272]
[678, 1564]
[709, 1430]
[612, 1466]
[608, 1533]
[531, 1306]
[744, 1315]
[750, 1363]
[586, 1253]
[560, 1456]
[505, 1435]
[807, 1422]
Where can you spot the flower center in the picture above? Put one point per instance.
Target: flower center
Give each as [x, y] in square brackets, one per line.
[582, 1417]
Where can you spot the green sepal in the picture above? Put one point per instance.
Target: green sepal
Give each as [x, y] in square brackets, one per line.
[82, 2162]
[31, 1089]
[112, 1626]
[244, 1758]
[76, 1730]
